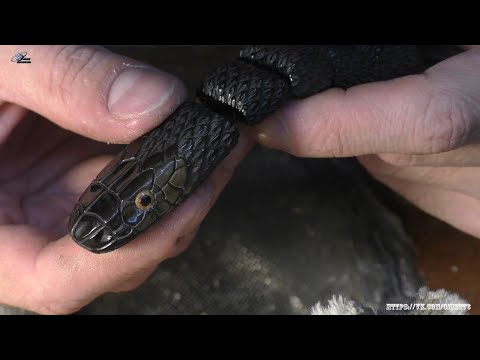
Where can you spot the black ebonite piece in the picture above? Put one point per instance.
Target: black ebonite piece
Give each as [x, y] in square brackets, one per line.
[158, 171]
[312, 69]
[247, 93]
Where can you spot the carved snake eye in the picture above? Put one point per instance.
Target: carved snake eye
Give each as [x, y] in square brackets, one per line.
[144, 200]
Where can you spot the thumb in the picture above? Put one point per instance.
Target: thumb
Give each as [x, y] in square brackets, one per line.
[90, 90]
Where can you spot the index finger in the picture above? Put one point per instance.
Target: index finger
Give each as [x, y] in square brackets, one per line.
[432, 112]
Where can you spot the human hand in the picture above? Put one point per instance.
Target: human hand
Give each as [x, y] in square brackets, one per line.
[45, 165]
[417, 134]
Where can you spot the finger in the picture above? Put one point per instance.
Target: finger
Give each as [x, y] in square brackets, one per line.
[90, 90]
[10, 116]
[441, 203]
[426, 113]
[139, 277]
[463, 180]
[462, 157]
[48, 198]
[66, 277]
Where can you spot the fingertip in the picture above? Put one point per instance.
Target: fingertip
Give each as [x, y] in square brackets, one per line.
[298, 125]
[273, 132]
[142, 97]
[138, 125]
[92, 91]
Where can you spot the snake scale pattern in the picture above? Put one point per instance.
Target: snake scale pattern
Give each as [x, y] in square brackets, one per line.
[158, 171]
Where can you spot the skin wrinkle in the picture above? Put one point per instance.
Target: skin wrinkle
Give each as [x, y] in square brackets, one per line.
[377, 112]
[322, 131]
[57, 75]
[344, 147]
[443, 122]
[459, 132]
[78, 64]
[460, 120]
[418, 134]
[28, 132]
[99, 67]
[73, 61]
[339, 147]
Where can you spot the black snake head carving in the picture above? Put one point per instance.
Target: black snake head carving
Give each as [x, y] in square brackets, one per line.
[119, 205]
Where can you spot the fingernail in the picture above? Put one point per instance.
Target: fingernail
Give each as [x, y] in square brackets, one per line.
[139, 91]
[273, 132]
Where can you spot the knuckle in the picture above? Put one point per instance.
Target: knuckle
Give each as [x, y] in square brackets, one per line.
[328, 138]
[326, 134]
[182, 244]
[319, 141]
[342, 147]
[70, 64]
[447, 123]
